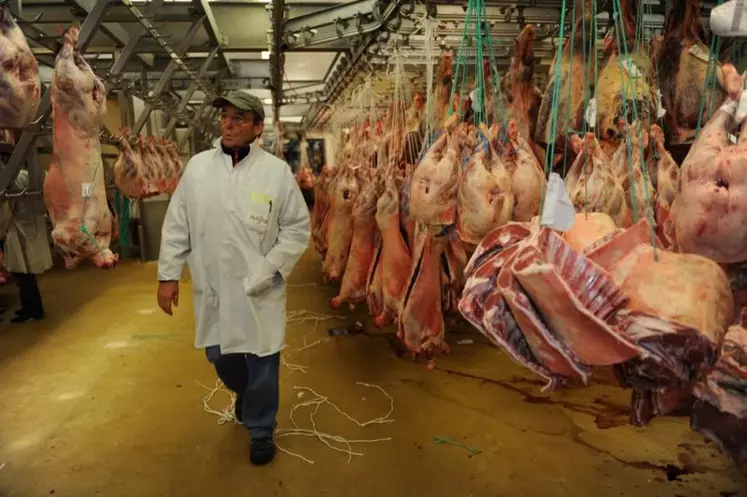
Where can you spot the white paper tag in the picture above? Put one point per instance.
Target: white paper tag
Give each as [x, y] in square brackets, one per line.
[591, 113]
[474, 97]
[732, 139]
[698, 51]
[660, 111]
[558, 212]
[631, 68]
[87, 190]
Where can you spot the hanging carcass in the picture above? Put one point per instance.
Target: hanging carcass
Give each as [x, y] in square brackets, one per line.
[74, 189]
[20, 86]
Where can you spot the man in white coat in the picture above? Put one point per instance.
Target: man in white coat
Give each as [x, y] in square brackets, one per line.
[239, 219]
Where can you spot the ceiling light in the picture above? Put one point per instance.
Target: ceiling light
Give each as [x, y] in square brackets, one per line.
[265, 55]
[268, 101]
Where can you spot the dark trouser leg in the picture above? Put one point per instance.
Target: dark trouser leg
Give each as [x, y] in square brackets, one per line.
[254, 379]
[231, 369]
[262, 395]
[30, 297]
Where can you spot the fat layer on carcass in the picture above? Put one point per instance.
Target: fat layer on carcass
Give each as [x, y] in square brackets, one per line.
[74, 189]
[20, 85]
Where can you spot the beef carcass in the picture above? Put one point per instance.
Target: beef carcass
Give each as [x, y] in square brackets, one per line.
[720, 413]
[128, 169]
[304, 175]
[591, 183]
[680, 306]
[527, 176]
[485, 195]
[709, 216]
[395, 260]
[682, 60]
[74, 189]
[20, 85]
[522, 97]
[340, 229]
[353, 289]
[575, 77]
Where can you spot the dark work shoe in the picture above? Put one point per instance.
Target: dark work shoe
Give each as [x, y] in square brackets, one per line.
[21, 311]
[238, 409]
[22, 318]
[262, 451]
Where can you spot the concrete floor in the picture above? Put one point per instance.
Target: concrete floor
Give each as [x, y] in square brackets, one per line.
[102, 399]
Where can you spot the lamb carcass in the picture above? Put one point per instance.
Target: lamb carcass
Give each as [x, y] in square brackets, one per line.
[74, 189]
[354, 281]
[304, 175]
[589, 228]
[340, 229]
[169, 167]
[709, 216]
[575, 76]
[435, 181]
[523, 98]
[682, 61]
[680, 306]
[395, 260]
[176, 160]
[627, 165]
[527, 176]
[320, 210]
[20, 85]
[485, 195]
[720, 413]
[591, 183]
[128, 169]
[665, 172]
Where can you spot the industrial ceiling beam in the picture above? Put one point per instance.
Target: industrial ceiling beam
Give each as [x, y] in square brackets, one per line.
[212, 29]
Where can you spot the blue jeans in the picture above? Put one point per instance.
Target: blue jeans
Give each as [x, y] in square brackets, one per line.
[256, 382]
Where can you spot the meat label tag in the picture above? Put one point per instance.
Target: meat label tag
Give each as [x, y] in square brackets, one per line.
[660, 111]
[631, 68]
[591, 113]
[87, 190]
[732, 139]
[558, 212]
[699, 52]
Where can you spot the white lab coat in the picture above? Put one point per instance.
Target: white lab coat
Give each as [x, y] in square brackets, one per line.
[242, 229]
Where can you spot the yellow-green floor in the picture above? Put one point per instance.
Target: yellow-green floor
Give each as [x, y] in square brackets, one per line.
[103, 399]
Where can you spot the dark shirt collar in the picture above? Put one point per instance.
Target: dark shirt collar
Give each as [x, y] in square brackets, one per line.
[237, 154]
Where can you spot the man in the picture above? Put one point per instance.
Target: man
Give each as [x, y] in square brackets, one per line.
[27, 252]
[240, 218]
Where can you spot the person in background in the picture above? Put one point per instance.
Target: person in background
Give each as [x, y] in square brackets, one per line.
[27, 252]
[239, 219]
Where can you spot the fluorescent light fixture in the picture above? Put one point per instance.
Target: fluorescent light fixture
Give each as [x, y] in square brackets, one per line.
[266, 55]
[268, 101]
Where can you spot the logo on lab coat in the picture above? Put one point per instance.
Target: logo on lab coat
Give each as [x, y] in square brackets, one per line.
[261, 207]
[259, 219]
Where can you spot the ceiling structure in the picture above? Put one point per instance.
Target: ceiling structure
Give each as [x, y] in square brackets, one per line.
[298, 56]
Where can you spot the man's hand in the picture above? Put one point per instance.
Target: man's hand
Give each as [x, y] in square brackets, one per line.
[168, 293]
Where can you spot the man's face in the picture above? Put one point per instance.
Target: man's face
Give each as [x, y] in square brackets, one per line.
[237, 127]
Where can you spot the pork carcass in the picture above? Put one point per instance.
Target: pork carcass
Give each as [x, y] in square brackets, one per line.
[720, 413]
[395, 260]
[353, 289]
[575, 77]
[128, 169]
[340, 229]
[485, 195]
[527, 176]
[521, 95]
[679, 308]
[682, 60]
[74, 189]
[709, 216]
[20, 85]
